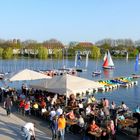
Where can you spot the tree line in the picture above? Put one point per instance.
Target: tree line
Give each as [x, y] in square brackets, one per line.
[57, 50]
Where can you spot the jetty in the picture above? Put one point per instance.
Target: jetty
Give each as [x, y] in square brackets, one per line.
[114, 83]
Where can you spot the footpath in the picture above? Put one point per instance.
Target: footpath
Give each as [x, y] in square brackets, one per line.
[10, 128]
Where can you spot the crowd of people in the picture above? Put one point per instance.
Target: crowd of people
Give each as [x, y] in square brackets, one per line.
[90, 117]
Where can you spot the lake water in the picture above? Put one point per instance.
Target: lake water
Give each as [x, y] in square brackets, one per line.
[131, 96]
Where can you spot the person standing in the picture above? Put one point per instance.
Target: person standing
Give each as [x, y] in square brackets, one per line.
[61, 126]
[137, 116]
[112, 130]
[23, 88]
[7, 105]
[29, 130]
[0, 95]
[54, 127]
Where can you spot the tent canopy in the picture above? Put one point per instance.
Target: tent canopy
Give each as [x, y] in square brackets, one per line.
[66, 84]
[26, 74]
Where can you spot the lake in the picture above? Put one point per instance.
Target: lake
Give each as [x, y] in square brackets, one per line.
[131, 95]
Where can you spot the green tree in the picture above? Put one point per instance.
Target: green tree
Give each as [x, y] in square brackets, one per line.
[71, 52]
[7, 53]
[138, 47]
[95, 52]
[105, 47]
[55, 53]
[60, 53]
[134, 52]
[32, 49]
[79, 48]
[42, 53]
[1, 51]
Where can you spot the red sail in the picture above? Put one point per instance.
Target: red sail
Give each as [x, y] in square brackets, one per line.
[105, 63]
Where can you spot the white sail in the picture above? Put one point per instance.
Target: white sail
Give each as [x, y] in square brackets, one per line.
[87, 59]
[105, 56]
[76, 60]
[110, 61]
[127, 56]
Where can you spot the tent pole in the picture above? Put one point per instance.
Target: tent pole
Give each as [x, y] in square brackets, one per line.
[66, 98]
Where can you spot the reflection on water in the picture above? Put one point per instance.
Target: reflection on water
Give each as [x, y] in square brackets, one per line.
[136, 92]
[108, 74]
[131, 96]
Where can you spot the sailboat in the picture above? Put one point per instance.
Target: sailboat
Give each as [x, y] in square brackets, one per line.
[97, 71]
[127, 56]
[108, 62]
[139, 58]
[136, 63]
[78, 60]
[136, 67]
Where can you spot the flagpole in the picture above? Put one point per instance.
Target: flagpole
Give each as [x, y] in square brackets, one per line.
[66, 89]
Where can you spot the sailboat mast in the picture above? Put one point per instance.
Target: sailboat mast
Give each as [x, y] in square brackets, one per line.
[66, 57]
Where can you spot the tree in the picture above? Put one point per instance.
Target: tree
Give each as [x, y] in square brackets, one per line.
[42, 53]
[57, 53]
[72, 44]
[138, 47]
[27, 42]
[31, 49]
[71, 52]
[1, 51]
[133, 52]
[95, 53]
[7, 53]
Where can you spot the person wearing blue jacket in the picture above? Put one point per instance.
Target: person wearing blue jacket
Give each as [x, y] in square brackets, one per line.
[54, 127]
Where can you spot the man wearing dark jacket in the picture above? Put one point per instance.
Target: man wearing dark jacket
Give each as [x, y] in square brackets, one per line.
[8, 105]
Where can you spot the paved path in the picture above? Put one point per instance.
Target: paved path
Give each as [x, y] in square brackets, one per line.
[10, 128]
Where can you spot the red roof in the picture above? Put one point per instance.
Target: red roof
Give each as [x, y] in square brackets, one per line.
[85, 44]
[54, 45]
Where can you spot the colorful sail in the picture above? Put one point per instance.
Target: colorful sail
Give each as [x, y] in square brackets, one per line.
[79, 59]
[105, 56]
[108, 62]
[105, 64]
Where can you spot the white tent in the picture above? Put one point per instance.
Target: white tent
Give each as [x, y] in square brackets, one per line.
[26, 74]
[67, 84]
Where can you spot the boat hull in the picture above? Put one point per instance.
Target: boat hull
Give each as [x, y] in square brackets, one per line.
[81, 70]
[96, 73]
[108, 67]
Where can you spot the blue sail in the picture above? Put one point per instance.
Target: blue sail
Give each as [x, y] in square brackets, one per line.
[136, 63]
[79, 58]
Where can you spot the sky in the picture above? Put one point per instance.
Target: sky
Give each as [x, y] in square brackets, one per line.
[69, 20]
